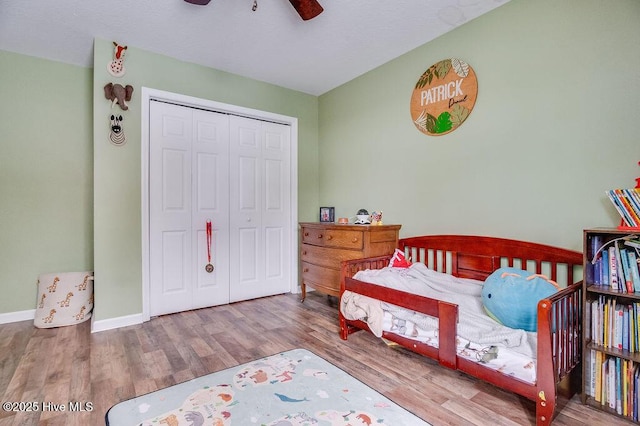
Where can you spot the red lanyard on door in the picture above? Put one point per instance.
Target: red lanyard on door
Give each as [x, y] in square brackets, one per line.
[209, 267]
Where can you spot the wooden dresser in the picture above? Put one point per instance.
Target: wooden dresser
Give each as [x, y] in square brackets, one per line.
[325, 245]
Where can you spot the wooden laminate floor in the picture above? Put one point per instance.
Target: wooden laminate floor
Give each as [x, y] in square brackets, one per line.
[98, 370]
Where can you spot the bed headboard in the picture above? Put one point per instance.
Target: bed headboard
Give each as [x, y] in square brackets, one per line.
[470, 256]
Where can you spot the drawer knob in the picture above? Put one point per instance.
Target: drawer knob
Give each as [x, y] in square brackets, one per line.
[304, 252]
[355, 239]
[319, 235]
[305, 270]
[329, 237]
[306, 234]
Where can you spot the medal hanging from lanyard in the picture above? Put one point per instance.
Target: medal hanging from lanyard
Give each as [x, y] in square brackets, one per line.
[209, 267]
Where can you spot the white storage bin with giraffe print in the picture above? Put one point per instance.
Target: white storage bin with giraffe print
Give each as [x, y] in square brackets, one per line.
[64, 299]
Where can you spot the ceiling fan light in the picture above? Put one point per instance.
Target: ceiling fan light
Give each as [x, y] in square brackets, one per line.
[198, 2]
[307, 9]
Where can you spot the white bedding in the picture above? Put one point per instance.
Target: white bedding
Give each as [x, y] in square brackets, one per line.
[476, 330]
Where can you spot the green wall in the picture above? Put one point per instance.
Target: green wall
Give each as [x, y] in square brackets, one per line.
[554, 125]
[117, 169]
[46, 176]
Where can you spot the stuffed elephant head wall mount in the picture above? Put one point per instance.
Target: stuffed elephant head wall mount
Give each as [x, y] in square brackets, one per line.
[118, 94]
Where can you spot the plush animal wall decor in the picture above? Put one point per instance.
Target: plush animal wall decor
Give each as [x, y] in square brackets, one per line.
[116, 135]
[116, 66]
[118, 94]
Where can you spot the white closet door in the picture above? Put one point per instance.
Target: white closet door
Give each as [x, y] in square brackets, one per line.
[188, 169]
[260, 205]
[210, 186]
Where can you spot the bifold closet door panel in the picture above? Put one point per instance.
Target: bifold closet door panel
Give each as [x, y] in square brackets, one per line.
[188, 185]
[210, 186]
[169, 208]
[260, 206]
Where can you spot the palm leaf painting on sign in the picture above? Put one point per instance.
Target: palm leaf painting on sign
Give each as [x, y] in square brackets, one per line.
[443, 97]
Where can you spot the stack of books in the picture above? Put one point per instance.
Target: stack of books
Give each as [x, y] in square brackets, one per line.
[614, 382]
[614, 324]
[627, 203]
[615, 264]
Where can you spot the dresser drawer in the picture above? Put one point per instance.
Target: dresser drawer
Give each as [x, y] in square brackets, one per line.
[352, 240]
[327, 256]
[321, 276]
[382, 236]
[337, 238]
[313, 236]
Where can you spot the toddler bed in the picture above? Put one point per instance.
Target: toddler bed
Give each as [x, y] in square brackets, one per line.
[534, 367]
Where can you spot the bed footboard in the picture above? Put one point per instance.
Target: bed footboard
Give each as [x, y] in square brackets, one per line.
[559, 347]
[447, 313]
[348, 269]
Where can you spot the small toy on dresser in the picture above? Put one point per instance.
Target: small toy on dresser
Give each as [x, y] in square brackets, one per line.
[362, 217]
[376, 218]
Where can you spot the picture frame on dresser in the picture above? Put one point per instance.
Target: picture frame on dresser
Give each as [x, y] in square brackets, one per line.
[327, 214]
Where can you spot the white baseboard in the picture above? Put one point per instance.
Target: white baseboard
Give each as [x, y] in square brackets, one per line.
[28, 315]
[96, 326]
[111, 323]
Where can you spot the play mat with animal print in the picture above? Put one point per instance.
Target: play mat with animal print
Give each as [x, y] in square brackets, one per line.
[292, 388]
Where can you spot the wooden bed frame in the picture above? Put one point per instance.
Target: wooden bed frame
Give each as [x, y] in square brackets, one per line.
[558, 346]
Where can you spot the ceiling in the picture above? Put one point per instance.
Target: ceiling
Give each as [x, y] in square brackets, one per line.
[272, 44]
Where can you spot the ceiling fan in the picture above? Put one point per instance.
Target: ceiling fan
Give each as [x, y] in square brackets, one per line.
[307, 9]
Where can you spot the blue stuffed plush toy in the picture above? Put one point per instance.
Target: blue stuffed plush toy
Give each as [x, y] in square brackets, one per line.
[511, 295]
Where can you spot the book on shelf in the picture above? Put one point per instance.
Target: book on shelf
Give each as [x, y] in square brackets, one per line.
[636, 393]
[625, 328]
[598, 370]
[626, 269]
[627, 203]
[618, 385]
[618, 316]
[605, 267]
[611, 382]
[632, 327]
[634, 270]
[613, 268]
[591, 373]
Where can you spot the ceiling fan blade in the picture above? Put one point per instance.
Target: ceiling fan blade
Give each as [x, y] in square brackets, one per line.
[198, 2]
[307, 9]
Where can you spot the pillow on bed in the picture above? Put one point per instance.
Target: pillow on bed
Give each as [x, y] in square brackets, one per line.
[511, 295]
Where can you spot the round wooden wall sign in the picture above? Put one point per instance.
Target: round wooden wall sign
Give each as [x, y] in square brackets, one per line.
[444, 97]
